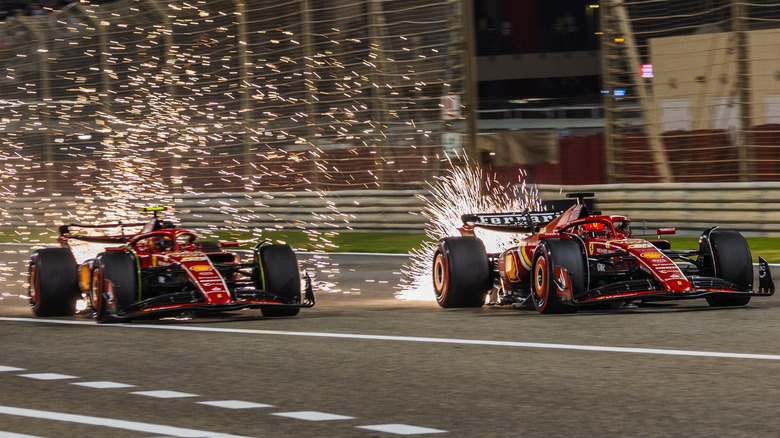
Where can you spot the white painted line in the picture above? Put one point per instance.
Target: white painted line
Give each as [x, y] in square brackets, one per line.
[47, 376]
[478, 342]
[402, 429]
[103, 385]
[116, 424]
[164, 394]
[235, 404]
[15, 435]
[313, 416]
[4, 368]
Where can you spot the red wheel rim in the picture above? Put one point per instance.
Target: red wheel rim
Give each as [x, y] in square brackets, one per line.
[540, 281]
[440, 276]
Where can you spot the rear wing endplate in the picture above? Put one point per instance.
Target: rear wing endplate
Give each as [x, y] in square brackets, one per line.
[527, 221]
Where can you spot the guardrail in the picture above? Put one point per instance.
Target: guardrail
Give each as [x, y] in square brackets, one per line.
[751, 208]
[362, 210]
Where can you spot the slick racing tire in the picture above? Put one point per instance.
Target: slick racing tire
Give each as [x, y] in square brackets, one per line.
[114, 285]
[279, 274]
[54, 285]
[562, 253]
[733, 263]
[461, 272]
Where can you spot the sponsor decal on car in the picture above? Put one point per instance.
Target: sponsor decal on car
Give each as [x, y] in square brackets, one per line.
[194, 258]
[517, 219]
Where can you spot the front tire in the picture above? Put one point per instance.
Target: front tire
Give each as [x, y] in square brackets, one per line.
[114, 285]
[280, 275]
[461, 272]
[733, 263]
[53, 282]
[565, 254]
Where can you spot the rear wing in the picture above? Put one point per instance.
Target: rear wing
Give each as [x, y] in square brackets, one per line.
[71, 232]
[526, 222]
[529, 221]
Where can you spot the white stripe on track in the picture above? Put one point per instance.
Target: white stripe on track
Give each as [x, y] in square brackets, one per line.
[598, 348]
[15, 435]
[108, 422]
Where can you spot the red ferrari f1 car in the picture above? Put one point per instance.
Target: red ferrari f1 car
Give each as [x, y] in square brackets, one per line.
[160, 270]
[575, 258]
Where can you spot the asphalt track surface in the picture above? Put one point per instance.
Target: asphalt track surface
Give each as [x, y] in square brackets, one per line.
[366, 364]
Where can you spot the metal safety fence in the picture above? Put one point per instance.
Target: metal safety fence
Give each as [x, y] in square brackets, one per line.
[118, 99]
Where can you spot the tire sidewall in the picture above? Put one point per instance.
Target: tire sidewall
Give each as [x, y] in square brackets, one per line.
[119, 269]
[53, 282]
[541, 280]
[279, 274]
[731, 261]
[441, 276]
[461, 272]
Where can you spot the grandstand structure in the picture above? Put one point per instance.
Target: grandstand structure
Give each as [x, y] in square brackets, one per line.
[691, 90]
[149, 98]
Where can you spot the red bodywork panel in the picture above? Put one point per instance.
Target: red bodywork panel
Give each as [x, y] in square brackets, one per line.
[608, 242]
[159, 244]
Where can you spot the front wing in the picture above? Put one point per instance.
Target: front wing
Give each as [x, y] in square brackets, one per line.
[179, 302]
[651, 290]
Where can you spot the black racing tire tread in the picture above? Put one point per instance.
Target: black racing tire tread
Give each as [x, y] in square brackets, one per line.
[733, 263]
[465, 272]
[282, 277]
[121, 270]
[55, 284]
[564, 253]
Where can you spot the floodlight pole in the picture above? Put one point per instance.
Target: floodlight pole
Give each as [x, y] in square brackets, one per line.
[646, 98]
[32, 24]
[607, 79]
[246, 90]
[310, 85]
[743, 137]
[380, 109]
[469, 53]
[105, 88]
[170, 89]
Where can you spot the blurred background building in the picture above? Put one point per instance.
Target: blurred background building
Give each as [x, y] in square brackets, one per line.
[105, 96]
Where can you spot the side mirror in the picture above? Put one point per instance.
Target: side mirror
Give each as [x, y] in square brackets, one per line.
[662, 231]
[231, 244]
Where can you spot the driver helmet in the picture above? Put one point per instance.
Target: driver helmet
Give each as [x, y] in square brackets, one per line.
[162, 243]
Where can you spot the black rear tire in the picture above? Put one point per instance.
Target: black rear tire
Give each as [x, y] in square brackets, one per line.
[563, 253]
[461, 272]
[120, 269]
[733, 263]
[54, 285]
[280, 275]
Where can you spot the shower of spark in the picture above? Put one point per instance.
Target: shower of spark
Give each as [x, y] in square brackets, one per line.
[112, 106]
[462, 190]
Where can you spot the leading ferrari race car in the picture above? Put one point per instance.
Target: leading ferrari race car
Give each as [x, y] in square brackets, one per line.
[574, 258]
[160, 270]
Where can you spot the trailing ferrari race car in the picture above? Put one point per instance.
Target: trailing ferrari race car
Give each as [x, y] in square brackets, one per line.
[160, 270]
[574, 258]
